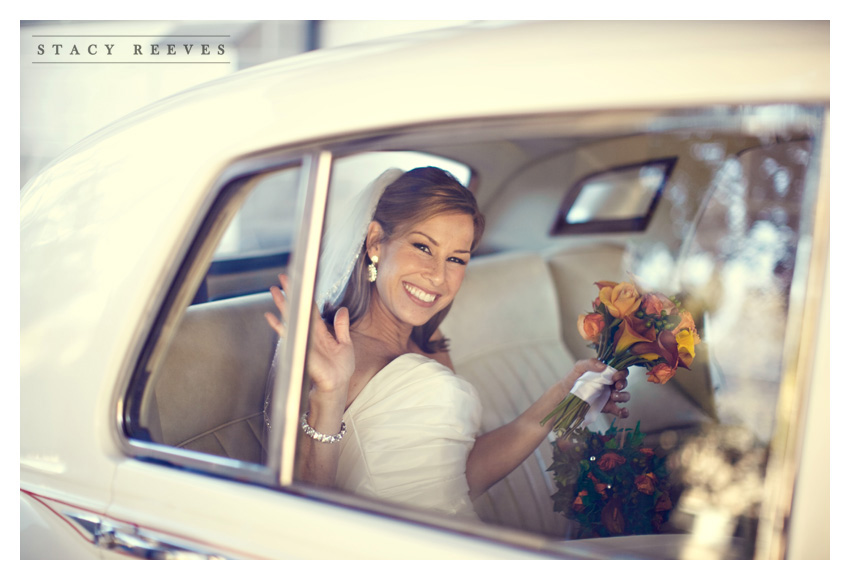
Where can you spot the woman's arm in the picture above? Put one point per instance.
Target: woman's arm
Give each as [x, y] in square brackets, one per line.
[497, 453]
[330, 365]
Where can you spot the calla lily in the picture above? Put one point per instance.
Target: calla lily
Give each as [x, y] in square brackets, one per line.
[685, 344]
[602, 284]
[627, 336]
[605, 284]
[665, 346]
[687, 322]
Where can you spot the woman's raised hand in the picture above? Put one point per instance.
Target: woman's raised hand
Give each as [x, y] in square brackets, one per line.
[279, 296]
[330, 360]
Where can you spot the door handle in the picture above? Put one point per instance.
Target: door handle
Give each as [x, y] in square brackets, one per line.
[130, 540]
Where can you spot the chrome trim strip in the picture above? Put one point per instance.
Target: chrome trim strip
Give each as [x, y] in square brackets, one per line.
[126, 538]
[799, 357]
[315, 185]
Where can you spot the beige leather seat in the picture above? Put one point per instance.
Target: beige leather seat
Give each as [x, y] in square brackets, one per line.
[210, 392]
[505, 338]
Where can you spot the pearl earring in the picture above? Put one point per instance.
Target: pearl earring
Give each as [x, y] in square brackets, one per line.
[373, 269]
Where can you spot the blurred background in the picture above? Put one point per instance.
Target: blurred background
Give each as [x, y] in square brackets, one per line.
[71, 86]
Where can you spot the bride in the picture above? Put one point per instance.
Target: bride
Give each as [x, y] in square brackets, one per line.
[387, 416]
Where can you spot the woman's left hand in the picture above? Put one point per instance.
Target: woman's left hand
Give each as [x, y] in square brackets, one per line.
[618, 395]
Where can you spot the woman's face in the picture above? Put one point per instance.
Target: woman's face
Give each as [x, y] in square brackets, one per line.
[421, 270]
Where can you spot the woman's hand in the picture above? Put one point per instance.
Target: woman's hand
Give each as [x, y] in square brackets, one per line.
[498, 452]
[618, 394]
[330, 360]
[330, 364]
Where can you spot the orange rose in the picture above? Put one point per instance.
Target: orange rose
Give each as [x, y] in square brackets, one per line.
[647, 451]
[646, 483]
[590, 326]
[660, 373]
[621, 300]
[610, 460]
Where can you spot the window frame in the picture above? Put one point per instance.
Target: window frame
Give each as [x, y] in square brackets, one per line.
[561, 227]
[316, 163]
[222, 200]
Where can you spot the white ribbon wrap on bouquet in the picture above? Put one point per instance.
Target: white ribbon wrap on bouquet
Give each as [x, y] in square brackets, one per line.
[595, 390]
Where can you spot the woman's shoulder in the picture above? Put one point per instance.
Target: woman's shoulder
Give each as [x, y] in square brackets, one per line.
[441, 356]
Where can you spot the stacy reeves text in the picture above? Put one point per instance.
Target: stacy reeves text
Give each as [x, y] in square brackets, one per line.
[135, 49]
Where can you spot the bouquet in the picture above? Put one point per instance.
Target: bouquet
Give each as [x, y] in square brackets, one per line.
[611, 484]
[627, 328]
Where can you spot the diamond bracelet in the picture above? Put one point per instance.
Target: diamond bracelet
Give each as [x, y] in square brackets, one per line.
[321, 437]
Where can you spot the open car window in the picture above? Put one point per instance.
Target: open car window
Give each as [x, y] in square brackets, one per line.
[201, 392]
[724, 203]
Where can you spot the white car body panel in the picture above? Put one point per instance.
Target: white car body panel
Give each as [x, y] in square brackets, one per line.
[138, 189]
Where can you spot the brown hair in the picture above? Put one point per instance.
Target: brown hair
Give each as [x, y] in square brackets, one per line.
[416, 196]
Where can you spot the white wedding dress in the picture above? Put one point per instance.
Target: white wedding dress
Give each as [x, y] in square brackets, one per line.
[409, 433]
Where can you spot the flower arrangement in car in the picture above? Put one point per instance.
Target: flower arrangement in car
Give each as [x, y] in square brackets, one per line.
[611, 484]
[627, 328]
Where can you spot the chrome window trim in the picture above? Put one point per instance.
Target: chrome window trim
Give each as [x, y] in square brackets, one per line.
[156, 332]
[282, 442]
[800, 355]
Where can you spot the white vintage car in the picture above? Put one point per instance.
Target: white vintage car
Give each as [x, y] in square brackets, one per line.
[693, 156]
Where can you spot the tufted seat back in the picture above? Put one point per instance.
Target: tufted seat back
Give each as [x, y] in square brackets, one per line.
[505, 338]
[211, 388]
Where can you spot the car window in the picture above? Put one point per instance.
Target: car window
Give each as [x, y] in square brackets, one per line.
[202, 390]
[619, 199]
[265, 221]
[714, 218]
[725, 201]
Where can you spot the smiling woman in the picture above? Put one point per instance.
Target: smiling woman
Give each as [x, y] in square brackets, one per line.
[408, 208]
[380, 368]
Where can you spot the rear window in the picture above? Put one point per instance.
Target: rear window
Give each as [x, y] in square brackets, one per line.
[616, 200]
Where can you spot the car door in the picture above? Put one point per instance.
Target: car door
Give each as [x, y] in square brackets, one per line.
[205, 475]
